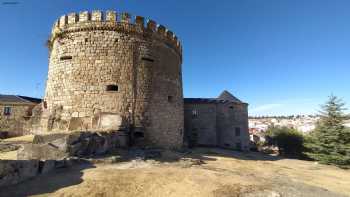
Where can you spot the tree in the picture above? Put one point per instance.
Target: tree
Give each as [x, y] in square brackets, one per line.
[329, 143]
[289, 141]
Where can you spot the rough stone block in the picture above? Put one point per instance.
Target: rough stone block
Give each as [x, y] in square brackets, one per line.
[110, 121]
[14, 171]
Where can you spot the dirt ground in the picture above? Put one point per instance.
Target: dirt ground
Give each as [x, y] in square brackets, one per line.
[203, 172]
[8, 147]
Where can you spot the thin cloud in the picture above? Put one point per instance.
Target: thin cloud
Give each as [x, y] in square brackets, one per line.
[266, 107]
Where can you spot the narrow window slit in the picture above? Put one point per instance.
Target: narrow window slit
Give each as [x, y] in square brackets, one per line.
[147, 59]
[66, 57]
[112, 88]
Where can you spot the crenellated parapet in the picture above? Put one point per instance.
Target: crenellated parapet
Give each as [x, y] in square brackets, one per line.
[113, 21]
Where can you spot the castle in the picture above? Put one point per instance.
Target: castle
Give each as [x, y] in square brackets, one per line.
[109, 72]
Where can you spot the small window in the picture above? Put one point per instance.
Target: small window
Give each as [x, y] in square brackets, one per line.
[66, 57]
[231, 107]
[170, 99]
[238, 131]
[29, 112]
[86, 39]
[112, 88]
[147, 59]
[227, 145]
[194, 113]
[116, 40]
[7, 111]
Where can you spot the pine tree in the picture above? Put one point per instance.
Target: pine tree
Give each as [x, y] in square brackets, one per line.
[329, 143]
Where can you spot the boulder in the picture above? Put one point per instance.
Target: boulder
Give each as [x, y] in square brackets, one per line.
[81, 144]
[41, 151]
[15, 171]
[46, 166]
[45, 138]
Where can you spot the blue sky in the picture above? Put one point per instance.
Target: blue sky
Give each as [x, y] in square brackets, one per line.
[282, 57]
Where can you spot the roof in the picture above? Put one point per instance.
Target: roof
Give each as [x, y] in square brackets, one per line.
[18, 99]
[31, 99]
[224, 97]
[202, 100]
[227, 96]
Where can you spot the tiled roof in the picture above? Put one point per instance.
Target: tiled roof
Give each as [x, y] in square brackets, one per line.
[203, 100]
[17, 99]
[224, 97]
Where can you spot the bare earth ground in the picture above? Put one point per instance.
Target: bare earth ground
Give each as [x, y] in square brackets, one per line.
[203, 172]
[7, 144]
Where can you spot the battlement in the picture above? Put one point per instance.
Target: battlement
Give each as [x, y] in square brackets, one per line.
[113, 21]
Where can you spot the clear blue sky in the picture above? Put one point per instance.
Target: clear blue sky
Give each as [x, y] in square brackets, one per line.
[282, 57]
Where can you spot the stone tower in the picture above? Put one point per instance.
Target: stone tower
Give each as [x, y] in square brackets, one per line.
[109, 71]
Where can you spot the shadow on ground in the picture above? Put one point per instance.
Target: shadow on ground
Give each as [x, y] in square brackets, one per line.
[45, 184]
[214, 152]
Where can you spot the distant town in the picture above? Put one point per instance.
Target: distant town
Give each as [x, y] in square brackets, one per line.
[303, 123]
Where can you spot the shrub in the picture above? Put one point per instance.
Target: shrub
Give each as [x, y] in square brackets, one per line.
[289, 141]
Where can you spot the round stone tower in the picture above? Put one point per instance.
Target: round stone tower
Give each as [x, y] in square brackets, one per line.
[112, 72]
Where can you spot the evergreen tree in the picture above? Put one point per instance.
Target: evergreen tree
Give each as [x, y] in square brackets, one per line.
[329, 143]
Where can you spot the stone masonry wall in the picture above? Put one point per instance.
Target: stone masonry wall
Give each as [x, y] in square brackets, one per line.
[201, 128]
[101, 64]
[215, 124]
[230, 117]
[17, 123]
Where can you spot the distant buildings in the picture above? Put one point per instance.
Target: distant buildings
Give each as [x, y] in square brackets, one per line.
[258, 126]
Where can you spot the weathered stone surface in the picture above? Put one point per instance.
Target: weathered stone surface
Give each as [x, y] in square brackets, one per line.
[61, 146]
[46, 166]
[219, 122]
[42, 139]
[17, 123]
[110, 122]
[13, 172]
[41, 151]
[107, 75]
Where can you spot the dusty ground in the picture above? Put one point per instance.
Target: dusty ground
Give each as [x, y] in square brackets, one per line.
[8, 147]
[204, 172]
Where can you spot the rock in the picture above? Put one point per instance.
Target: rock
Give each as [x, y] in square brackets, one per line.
[46, 166]
[60, 146]
[60, 164]
[153, 154]
[41, 152]
[42, 139]
[110, 121]
[15, 171]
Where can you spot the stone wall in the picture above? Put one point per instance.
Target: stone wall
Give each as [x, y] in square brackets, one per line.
[216, 123]
[18, 122]
[104, 64]
[200, 124]
[232, 117]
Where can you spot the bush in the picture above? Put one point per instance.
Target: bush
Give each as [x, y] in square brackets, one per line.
[289, 141]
